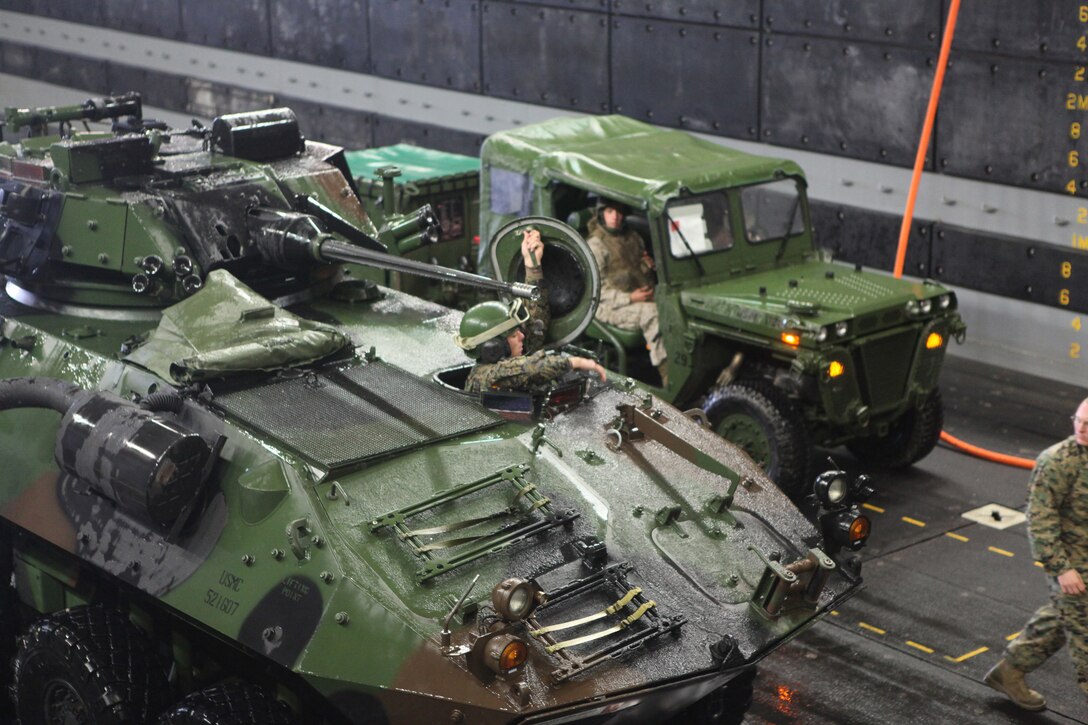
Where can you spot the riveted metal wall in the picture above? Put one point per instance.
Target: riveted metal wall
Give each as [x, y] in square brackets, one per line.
[330, 33]
[869, 238]
[1042, 29]
[388, 131]
[1003, 120]
[916, 23]
[76, 11]
[436, 42]
[239, 25]
[337, 126]
[545, 55]
[65, 69]
[146, 17]
[19, 59]
[700, 77]
[860, 100]
[737, 13]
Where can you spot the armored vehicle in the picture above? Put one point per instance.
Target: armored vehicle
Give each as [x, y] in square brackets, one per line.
[241, 483]
[784, 348]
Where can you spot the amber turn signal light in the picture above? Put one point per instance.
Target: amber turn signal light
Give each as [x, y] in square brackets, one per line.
[505, 653]
[934, 341]
[835, 369]
[793, 339]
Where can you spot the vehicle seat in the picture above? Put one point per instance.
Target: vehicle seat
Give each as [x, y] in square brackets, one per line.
[579, 219]
[620, 338]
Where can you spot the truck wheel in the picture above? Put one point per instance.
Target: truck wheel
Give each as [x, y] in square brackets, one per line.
[228, 703]
[763, 422]
[726, 706]
[87, 665]
[909, 439]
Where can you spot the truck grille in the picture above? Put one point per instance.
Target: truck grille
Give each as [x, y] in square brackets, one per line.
[885, 364]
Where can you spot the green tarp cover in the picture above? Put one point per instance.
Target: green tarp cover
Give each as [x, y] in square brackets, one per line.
[626, 159]
[415, 163]
[226, 328]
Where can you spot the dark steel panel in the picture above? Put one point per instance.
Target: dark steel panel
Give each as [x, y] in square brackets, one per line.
[208, 100]
[601, 5]
[738, 13]
[22, 6]
[860, 100]
[331, 33]
[161, 18]
[164, 90]
[1016, 268]
[1005, 120]
[239, 25]
[72, 71]
[918, 23]
[18, 59]
[337, 126]
[870, 238]
[388, 131]
[427, 41]
[546, 56]
[697, 77]
[73, 11]
[1042, 29]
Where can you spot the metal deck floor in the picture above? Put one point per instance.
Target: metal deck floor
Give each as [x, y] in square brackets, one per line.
[943, 594]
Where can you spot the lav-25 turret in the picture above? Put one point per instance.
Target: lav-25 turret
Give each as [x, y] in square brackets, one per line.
[240, 485]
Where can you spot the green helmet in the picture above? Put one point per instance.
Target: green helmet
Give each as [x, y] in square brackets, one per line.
[489, 321]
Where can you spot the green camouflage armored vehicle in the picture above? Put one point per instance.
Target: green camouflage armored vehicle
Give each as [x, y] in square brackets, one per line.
[783, 348]
[241, 483]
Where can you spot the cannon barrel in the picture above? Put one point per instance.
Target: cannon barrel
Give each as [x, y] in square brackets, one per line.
[288, 239]
[93, 109]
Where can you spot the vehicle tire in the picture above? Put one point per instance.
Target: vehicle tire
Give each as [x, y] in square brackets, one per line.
[909, 439]
[228, 703]
[726, 706]
[768, 427]
[87, 665]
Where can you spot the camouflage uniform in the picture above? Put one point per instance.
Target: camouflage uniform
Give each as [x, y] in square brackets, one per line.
[623, 270]
[533, 369]
[1058, 523]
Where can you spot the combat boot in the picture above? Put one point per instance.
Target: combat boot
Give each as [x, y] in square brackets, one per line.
[663, 371]
[1006, 678]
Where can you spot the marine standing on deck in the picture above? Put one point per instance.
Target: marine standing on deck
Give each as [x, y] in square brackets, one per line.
[627, 280]
[506, 340]
[1058, 524]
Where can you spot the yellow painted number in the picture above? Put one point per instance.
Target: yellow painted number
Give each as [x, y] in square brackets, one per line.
[1082, 215]
[1074, 350]
[1084, 13]
[1078, 74]
[1082, 42]
[1074, 130]
[1071, 186]
[1063, 297]
[1074, 159]
[1076, 324]
[1067, 269]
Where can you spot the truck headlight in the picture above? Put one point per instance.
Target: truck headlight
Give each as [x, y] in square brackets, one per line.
[514, 599]
[821, 335]
[841, 328]
[831, 488]
[912, 308]
[926, 306]
[944, 301]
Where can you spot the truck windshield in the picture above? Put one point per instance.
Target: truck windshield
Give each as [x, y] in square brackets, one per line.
[699, 224]
[772, 211]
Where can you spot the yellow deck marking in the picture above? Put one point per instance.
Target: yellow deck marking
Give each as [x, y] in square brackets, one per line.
[922, 647]
[1012, 636]
[1000, 551]
[967, 656]
[872, 508]
[915, 522]
[871, 628]
[957, 537]
[1039, 564]
[834, 612]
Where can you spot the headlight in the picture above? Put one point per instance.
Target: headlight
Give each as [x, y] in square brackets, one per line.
[841, 329]
[831, 488]
[926, 306]
[514, 599]
[912, 308]
[944, 301]
[821, 335]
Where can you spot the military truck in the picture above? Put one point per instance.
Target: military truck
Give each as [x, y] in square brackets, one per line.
[241, 484]
[783, 348]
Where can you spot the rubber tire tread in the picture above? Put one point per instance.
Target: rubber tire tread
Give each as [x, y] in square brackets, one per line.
[234, 702]
[792, 450]
[726, 706]
[101, 655]
[911, 439]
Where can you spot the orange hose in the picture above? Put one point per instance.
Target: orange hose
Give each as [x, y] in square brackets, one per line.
[985, 454]
[908, 217]
[927, 131]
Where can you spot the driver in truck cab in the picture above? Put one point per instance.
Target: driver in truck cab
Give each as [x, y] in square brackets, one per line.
[506, 339]
[627, 278]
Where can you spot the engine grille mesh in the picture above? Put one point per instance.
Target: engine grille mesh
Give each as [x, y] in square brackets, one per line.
[336, 418]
